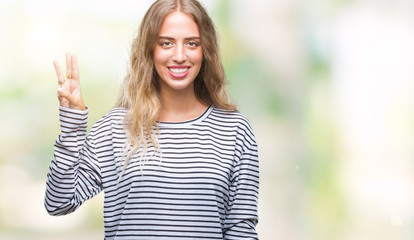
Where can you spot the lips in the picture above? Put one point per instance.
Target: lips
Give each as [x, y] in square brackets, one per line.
[178, 71]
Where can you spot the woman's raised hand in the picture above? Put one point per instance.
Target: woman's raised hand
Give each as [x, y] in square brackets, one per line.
[69, 92]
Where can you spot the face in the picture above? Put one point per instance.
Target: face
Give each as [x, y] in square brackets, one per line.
[178, 55]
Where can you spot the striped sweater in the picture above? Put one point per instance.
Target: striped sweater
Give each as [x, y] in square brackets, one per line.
[204, 185]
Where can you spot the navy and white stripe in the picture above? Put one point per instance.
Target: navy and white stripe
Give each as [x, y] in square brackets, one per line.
[204, 185]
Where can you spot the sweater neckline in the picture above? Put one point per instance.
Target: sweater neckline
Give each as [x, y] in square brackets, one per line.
[195, 120]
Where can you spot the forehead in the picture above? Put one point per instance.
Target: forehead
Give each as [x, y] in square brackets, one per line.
[178, 24]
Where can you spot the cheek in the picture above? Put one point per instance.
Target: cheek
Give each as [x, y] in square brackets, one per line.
[159, 56]
[196, 56]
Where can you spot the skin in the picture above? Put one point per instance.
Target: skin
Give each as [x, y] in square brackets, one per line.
[69, 92]
[178, 44]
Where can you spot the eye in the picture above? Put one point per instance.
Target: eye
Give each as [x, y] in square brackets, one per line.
[166, 44]
[193, 44]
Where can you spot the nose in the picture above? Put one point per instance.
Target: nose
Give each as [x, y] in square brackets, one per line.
[179, 54]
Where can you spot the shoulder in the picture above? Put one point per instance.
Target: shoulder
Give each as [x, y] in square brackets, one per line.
[112, 119]
[235, 118]
[245, 140]
[114, 114]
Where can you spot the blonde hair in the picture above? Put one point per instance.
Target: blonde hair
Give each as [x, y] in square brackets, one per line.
[140, 91]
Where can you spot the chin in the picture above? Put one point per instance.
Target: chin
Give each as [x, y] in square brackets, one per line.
[179, 87]
[177, 84]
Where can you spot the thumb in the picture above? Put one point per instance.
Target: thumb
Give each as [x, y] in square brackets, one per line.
[74, 102]
[66, 94]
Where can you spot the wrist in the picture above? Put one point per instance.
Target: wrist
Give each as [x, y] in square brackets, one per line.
[78, 107]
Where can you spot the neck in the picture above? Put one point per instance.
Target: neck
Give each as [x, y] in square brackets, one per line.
[180, 106]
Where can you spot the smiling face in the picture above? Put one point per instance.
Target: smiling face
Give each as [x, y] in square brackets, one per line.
[178, 54]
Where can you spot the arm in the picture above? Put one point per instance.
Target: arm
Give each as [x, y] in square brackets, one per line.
[241, 208]
[74, 173]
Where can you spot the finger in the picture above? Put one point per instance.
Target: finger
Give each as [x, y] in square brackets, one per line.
[69, 100]
[68, 65]
[66, 94]
[59, 74]
[66, 85]
[63, 101]
[75, 70]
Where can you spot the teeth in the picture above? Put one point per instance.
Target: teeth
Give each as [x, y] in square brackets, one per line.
[178, 70]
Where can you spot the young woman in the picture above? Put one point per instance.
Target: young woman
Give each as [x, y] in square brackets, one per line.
[175, 159]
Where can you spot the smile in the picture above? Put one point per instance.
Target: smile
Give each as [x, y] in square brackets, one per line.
[178, 72]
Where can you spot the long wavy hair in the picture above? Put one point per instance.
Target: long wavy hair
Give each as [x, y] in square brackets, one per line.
[140, 91]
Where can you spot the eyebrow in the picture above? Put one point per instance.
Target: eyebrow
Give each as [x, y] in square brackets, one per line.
[170, 38]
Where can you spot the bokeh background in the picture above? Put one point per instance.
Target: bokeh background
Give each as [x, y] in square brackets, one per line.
[327, 85]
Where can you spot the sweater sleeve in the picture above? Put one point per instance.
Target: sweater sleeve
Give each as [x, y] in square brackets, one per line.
[242, 216]
[74, 173]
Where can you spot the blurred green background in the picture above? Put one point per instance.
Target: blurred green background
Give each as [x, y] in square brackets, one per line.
[327, 85]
